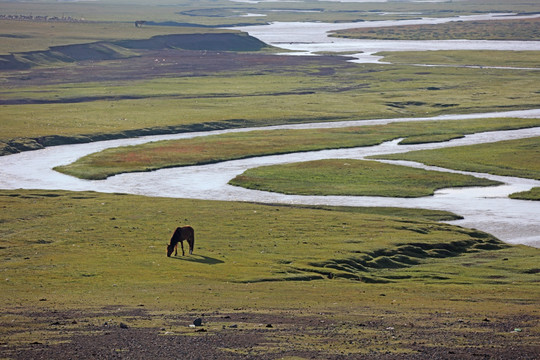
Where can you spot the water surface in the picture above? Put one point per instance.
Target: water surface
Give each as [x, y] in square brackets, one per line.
[312, 37]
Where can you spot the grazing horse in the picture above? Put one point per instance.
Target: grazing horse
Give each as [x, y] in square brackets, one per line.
[181, 234]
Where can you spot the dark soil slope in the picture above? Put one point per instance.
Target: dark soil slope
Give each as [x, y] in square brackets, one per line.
[127, 48]
[217, 42]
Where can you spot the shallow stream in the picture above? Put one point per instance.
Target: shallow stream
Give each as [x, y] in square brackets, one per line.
[487, 208]
[309, 38]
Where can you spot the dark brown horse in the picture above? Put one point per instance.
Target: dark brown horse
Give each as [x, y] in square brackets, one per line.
[181, 234]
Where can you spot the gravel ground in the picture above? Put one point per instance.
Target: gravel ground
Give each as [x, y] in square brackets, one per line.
[125, 334]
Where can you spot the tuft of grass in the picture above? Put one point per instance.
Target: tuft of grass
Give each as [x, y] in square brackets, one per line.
[352, 177]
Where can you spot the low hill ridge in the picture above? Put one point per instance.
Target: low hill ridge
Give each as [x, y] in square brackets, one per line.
[103, 50]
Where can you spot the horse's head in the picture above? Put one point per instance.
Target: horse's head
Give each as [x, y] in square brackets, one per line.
[170, 249]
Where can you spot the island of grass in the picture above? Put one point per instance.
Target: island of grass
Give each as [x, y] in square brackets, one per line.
[216, 148]
[509, 29]
[353, 178]
[533, 194]
[517, 158]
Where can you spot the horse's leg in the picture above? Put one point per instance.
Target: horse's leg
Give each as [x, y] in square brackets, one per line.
[191, 243]
[182, 245]
[176, 249]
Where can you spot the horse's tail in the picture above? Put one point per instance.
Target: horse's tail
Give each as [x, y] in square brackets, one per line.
[191, 241]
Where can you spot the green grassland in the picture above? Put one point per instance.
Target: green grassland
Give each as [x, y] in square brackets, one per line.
[291, 95]
[215, 148]
[96, 240]
[523, 29]
[508, 158]
[64, 251]
[533, 194]
[518, 59]
[352, 177]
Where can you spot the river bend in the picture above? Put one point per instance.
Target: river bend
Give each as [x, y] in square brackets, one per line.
[486, 208]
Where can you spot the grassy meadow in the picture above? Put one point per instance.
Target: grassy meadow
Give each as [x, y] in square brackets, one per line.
[86, 274]
[291, 95]
[96, 240]
[63, 251]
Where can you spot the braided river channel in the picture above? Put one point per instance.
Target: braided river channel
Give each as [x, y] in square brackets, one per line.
[485, 208]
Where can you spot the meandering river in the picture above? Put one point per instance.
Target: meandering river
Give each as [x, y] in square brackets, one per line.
[486, 208]
[312, 37]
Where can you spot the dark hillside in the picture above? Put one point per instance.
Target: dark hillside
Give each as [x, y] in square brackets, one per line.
[216, 42]
[62, 54]
[124, 48]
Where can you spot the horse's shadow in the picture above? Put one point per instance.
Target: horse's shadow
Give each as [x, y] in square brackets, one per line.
[200, 259]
